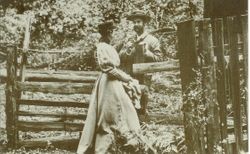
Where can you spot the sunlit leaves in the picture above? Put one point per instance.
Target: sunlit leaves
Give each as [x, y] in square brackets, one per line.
[63, 23]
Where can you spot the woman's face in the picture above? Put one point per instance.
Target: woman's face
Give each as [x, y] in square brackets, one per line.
[110, 34]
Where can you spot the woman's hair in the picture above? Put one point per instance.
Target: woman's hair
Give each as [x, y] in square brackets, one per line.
[105, 31]
[105, 28]
[104, 35]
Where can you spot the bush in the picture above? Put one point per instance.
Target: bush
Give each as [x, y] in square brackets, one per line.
[63, 23]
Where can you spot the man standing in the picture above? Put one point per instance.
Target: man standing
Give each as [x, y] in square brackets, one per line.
[142, 48]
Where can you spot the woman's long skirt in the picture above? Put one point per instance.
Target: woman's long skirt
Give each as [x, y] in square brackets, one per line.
[110, 111]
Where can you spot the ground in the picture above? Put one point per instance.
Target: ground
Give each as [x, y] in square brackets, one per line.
[163, 132]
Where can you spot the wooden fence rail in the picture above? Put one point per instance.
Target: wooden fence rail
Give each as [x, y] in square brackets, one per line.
[204, 51]
[14, 102]
[21, 119]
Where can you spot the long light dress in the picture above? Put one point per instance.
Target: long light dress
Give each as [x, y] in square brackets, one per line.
[111, 110]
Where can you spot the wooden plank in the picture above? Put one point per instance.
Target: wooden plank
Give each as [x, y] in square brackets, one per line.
[221, 78]
[66, 72]
[230, 129]
[23, 67]
[224, 8]
[226, 58]
[139, 54]
[232, 144]
[56, 87]
[142, 68]
[59, 78]
[25, 48]
[202, 128]
[205, 43]
[55, 115]
[54, 51]
[48, 126]
[53, 103]
[188, 62]
[3, 54]
[138, 57]
[62, 72]
[231, 138]
[62, 142]
[244, 22]
[225, 26]
[187, 50]
[11, 107]
[235, 81]
[209, 85]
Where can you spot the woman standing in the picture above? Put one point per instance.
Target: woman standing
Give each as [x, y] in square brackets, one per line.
[111, 110]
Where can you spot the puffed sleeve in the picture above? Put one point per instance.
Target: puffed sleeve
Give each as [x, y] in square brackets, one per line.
[155, 50]
[106, 65]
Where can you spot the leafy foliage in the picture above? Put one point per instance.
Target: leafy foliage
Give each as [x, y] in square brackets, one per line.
[196, 102]
[62, 23]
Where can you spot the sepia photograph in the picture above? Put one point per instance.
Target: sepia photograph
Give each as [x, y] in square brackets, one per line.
[124, 77]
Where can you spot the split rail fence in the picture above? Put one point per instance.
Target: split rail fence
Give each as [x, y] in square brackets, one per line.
[21, 117]
[17, 107]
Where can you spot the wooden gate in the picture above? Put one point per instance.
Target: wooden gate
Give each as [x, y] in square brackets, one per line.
[20, 119]
[60, 82]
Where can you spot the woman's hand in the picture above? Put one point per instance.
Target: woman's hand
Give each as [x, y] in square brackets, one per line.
[134, 84]
[134, 81]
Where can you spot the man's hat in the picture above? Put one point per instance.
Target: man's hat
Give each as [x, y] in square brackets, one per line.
[139, 14]
[106, 25]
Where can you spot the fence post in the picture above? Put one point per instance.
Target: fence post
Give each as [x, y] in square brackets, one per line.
[203, 137]
[25, 48]
[235, 81]
[245, 56]
[210, 87]
[10, 110]
[188, 61]
[221, 79]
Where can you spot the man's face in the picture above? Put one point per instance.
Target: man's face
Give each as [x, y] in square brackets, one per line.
[138, 25]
